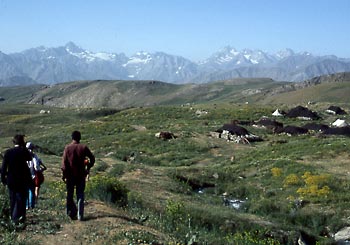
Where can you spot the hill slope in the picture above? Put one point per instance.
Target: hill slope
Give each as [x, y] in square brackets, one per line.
[333, 88]
[122, 94]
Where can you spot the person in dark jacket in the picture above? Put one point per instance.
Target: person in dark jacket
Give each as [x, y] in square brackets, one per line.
[74, 173]
[16, 175]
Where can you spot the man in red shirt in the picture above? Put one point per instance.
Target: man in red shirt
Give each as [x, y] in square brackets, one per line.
[74, 172]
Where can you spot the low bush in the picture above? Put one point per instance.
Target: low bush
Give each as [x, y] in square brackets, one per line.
[100, 166]
[249, 238]
[116, 170]
[107, 189]
[4, 205]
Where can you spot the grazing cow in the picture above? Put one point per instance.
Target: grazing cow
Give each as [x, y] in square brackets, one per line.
[165, 135]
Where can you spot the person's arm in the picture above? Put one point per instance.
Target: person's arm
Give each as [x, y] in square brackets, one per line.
[28, 155]
[42, 166]
[63, 166]
[91, 156]
[90, 163]
[4, 170]
[31, 168]
[36, 163]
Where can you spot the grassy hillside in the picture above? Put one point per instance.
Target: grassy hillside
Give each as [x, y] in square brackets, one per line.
[18, 94]
[175, 187]
[125, 94]
[324, 92]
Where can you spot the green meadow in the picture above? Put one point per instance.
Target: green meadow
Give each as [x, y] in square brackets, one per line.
[192, 189]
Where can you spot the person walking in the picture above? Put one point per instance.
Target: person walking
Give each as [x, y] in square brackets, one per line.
[37, 168]
[74, 173]
[16, 175]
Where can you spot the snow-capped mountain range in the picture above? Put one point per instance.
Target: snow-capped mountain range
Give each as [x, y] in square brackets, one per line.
[70, 63]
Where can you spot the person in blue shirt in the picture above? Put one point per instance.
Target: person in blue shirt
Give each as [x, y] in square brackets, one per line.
[37, 168]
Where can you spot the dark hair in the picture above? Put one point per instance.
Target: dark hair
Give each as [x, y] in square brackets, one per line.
[18, 139]
[76, 136]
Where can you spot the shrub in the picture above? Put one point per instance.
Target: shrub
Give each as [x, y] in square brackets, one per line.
[276, 172]
[249, 238]
[101, 166]
[175, 212]
[107, 189]
[135, 200]
[268, 207]
[315, 179]
[137, 237]
[314, 190]
[56, 192]
[315, 185]
[6, 226]
[4, 203]
[116, 170]
[291, 179]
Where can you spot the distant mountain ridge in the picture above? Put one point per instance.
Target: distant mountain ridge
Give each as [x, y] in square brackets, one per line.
[43, 65]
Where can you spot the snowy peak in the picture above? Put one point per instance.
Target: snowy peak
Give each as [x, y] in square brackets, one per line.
[257, 56]
[158, 65]
[231, 57]
[139, 58]
[73, 48]
[284, 53]
[225, 55]
[89, 56]
[70, 50]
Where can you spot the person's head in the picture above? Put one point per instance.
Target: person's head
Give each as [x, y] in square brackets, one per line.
[18, 139]
[30, 146]
[76, 136]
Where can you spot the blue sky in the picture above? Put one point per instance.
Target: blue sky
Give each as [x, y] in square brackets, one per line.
[194, 29]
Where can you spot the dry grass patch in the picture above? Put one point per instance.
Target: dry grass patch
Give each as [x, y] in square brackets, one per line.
[339, 166]
[152, 184]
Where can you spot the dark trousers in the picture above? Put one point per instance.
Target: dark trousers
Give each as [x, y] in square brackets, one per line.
[18, 205]
[79, 186]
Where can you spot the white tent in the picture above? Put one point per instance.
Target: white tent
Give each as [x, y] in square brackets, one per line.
[277, 113]
[340, 123]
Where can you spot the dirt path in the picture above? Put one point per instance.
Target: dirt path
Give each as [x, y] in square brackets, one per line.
[103, 225]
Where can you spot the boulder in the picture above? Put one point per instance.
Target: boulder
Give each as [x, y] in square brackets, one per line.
[342, 236]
